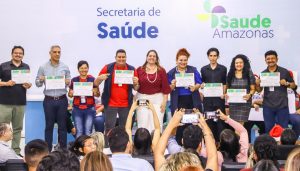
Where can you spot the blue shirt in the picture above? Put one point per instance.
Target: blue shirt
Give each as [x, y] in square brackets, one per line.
[125, 162]
[6, 152]
[48, 69]
[183, 90]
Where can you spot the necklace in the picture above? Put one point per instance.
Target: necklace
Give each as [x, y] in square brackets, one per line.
[154, 78]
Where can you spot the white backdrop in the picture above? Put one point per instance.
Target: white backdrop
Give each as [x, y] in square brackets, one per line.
[36, 25]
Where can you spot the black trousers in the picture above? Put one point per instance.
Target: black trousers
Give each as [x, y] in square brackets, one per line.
[56, 111]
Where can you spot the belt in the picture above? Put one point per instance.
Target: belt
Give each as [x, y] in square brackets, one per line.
[55, 97]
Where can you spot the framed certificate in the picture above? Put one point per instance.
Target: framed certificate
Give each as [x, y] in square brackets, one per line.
[83, 88]
[124, 77]
[184, 79]
[20, 76]
[270, 79]
[236, 95]
[55, 82]
[213, 90]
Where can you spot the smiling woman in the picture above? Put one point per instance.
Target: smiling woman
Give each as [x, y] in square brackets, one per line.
[184, 96]
[154, 87]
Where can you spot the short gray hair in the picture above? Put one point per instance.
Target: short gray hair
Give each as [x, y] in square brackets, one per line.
[3, 127]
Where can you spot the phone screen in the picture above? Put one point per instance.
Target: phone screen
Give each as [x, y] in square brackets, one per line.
[190, 118]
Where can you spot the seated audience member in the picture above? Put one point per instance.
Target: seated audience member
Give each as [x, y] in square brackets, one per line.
[265, 147]
[191, 142]
[121, 158]
[98, 140]
[175, 161]
[95, 161]
[35, 150]
[293, 161]
[233, 147]
[5, 151]
[181, 160]
[288, 137]
[83, 145]
[60, 160]
[143, 144]
[265, 165]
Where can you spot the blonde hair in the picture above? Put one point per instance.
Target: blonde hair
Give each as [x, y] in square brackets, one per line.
[95, 161]
[99, 140]
[293, 160]
[180, 160]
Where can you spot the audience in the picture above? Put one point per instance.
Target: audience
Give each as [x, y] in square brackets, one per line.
[98, 140]
[175, 160]
[121, 149]
[288, 137]
[143, 143]
[181, 160]
[60, 160]
[95, 161]
[233, 147]
[83, 145]
[191, 141]
[5, 151]
[265, 165]
[293, 161]
[35, 150]
[265, 147]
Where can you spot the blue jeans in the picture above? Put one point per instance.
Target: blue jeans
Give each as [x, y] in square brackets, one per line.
[83, 120]
[56, 111]
[99, 123]
[295, 121]
[275, 116]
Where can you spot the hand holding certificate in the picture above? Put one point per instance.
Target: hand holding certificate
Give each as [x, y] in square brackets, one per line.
[55, 82]
[184, 79]
[270, 79]
[123, 77]
[213, 90]
[83, 89]
[236, 95]
[20, 76]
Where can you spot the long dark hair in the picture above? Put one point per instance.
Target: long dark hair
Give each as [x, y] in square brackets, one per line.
[229, 145]
[157, 60]
[245, 72]
[79, 143]
[142, 142]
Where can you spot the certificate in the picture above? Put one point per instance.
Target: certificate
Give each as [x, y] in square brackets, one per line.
[236, 95]
[83, 88]
[124, 77]
[55, 82]
[20, 76]
[184, 79]
[270, 79]
[256, 115]
[213, 90]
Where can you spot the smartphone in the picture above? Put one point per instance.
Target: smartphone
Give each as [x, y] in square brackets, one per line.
[142, 102]
[211, 115]
[189, 117]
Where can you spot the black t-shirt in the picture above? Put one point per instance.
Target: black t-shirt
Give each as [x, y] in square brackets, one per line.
[217, 75]
[15, 95]
[278, 98]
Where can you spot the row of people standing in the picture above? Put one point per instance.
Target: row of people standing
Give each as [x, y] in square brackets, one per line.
[151, 82]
